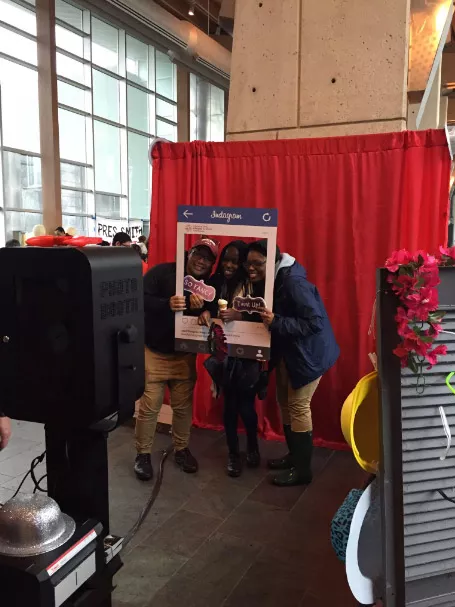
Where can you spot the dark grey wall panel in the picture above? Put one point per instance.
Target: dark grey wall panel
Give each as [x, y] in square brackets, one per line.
[418, 524]
[429, 520]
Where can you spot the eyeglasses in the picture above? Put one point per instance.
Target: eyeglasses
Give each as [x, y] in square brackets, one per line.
[197, 255]
[257, 265]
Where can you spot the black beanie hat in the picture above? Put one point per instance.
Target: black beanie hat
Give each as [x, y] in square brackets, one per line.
[261, 247]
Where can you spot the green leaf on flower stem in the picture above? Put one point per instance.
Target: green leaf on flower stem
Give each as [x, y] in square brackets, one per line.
[417, 327]
[427, 339]
[420, 283]
[436, 317]
[412, 364]
[407, 270]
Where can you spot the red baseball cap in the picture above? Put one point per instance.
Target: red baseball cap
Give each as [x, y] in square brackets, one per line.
[209, 244]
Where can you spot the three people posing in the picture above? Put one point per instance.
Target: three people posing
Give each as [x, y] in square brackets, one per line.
[303, 349]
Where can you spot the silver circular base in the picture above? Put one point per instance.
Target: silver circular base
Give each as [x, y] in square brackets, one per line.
[42, 547]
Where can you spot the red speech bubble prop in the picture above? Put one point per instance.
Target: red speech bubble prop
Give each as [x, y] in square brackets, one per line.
[198, 287]
[62, 241]
[82, 241]
[248, 304]
[47, 241]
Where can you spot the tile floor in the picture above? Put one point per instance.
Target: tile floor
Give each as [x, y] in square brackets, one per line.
[212, 541]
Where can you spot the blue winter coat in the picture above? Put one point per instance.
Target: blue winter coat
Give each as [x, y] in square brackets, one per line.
[301, 330]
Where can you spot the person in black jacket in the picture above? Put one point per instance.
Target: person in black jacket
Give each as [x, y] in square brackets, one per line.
[239, 377]
[303, 349]
[165, 367]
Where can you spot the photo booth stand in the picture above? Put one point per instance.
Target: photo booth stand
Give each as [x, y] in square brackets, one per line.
[418, 522]
[71, 358]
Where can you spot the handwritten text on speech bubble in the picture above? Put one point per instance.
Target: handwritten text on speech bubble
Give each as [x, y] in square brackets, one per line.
[198, 287]
[248, 304]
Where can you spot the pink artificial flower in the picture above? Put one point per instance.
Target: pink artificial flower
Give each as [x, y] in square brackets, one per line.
[408, 333]
[397, 259]
[447, 252]
[440, 350]
[402, 320]
[429, 298]
[413, 343]
[411, 301]
[431, 276]
[434, 330]
[426, 260]
[401, 351]
[416, 289]
[432, 355]
[406, 284]
[423, 302]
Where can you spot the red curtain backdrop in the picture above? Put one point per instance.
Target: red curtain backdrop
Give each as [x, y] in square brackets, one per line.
[344, 204]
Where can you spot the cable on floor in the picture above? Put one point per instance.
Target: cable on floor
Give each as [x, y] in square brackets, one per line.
[154, 494]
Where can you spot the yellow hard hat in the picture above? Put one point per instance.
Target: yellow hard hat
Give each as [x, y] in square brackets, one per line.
[360, 422]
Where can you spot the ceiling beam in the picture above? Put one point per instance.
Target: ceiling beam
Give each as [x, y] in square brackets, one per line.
[179, 8]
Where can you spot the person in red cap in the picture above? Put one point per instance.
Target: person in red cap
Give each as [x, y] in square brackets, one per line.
[164, 367]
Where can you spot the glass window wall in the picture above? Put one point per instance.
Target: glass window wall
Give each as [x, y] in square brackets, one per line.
[115, 93]
[206, 110]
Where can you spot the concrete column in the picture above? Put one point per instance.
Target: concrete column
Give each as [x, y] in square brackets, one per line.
[183, 104]
[308, 68]
[48, 115]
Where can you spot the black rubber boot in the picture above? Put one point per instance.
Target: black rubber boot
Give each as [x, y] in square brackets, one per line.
[283, 463]
[300, 473]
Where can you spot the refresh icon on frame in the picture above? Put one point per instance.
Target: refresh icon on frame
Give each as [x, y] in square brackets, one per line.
[266, 217]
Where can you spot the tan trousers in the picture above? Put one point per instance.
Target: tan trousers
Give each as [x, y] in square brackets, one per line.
[295, 404]
[178, 373]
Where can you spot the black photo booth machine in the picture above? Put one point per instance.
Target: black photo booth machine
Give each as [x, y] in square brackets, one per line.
[72, 358]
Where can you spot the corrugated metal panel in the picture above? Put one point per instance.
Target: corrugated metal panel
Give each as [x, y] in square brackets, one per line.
[431, 547]
[436, 602]
[429, 520]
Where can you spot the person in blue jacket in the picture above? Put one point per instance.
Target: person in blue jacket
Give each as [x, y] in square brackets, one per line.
[303, 349]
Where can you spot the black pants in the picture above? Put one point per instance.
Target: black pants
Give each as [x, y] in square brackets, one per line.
[238, 402]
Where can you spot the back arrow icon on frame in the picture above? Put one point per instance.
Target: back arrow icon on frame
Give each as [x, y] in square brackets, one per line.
[186, 214]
